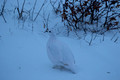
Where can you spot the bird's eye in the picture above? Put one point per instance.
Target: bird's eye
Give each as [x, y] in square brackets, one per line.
[49, 31]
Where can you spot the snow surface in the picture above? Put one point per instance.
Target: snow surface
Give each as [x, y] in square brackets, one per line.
[23, 54]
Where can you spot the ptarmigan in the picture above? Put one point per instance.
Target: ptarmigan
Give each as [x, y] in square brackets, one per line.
[60, 54]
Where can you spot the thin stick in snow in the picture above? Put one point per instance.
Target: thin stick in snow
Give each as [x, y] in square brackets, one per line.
[34, 8]
[2, 11]
[39, 10]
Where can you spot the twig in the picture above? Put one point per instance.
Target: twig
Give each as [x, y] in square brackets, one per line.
[4, 18]
[34, 8]
[39, 10]
[113, 36]
[2, 11]
[46, 22]
[103, 37]
[22, 10]
[53, 5]
[91, 40]
[116, 39]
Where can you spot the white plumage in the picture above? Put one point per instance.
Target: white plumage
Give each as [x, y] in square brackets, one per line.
[60, 54]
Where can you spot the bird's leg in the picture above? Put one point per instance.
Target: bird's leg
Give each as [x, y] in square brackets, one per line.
[56, 67]
[62, 68]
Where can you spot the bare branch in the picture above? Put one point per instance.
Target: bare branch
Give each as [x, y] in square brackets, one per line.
[2, 11]
[34, 8]
[39, 10]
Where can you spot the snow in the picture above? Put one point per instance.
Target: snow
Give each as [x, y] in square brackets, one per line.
[23, 54]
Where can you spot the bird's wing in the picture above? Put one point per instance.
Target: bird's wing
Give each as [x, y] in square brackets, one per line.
[53, 50]
[65, 53]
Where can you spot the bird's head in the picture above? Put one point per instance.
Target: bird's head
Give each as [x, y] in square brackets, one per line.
[51, 34]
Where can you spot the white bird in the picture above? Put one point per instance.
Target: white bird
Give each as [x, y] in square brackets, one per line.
[60, 54]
